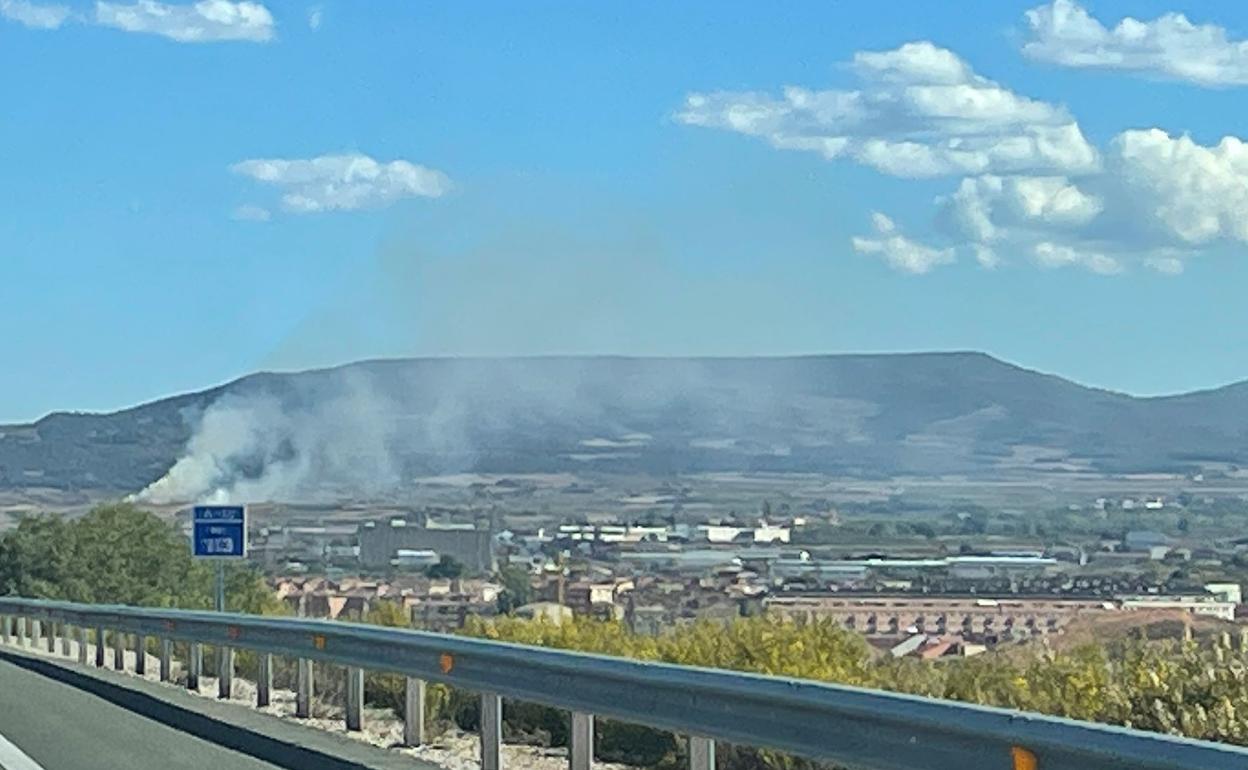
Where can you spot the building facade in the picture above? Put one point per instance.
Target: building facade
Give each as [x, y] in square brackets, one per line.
[381, 542]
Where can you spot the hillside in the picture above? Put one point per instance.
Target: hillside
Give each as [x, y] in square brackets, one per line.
[377, 423]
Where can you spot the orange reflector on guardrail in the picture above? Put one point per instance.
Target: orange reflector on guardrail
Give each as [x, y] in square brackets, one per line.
[1023, 759]
[446, 662]
[318, 641]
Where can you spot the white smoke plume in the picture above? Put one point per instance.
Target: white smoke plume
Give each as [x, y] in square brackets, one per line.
[256, 447]
[367, 430]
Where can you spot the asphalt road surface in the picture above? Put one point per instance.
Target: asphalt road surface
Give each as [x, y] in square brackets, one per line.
[57, 717]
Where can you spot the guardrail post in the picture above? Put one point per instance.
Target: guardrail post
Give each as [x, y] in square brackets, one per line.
[414, 712]
[5, 637]
[22, 632]
[50, 637]
[581, 741]
[119, 651]
[195, 666]
[225, 673]
[701, 753]
[66, 636]
[36, 633]
[264, 680]
[166, 660]
[99, 648]
[491, 731]
[140, 654]
[82, 645]
[303, 688]
[355, 698]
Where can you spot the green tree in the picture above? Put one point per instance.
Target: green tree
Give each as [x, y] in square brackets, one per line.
[388, 613]
[517, 590]
[448, 567]
[975, 522]
[924, 529]
[37, 559]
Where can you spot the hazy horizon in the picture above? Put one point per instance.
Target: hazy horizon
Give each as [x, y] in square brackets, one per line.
[540, 356]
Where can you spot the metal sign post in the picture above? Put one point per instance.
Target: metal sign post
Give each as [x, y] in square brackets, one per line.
[220, 532]
[220, 603]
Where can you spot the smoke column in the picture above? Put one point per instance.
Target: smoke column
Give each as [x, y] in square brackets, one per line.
[258, 446]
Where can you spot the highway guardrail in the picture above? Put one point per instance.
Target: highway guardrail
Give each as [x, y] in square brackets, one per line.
[851, 727]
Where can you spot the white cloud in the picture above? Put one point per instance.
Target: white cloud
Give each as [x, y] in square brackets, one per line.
[1169, 46]
[201, 22]
[882, 223]
[1166, 265]
[986, 256]
[251, 213]
[921, 111]
[1057, 255]
[900, 252]
[1031, 184]
[1197, 193]
[920, 62]
[344, 182]
[1159, 200]
[34, 16]
[314, 18]
[983, 205]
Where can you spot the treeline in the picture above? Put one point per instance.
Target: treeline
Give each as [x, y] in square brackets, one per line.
[119, 554]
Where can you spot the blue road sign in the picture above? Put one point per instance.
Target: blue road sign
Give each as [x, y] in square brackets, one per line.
[219, 531]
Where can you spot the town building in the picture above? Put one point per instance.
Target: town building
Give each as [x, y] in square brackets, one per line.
[469, 544]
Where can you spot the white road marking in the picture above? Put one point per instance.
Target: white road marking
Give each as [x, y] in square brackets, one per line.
[13, 758]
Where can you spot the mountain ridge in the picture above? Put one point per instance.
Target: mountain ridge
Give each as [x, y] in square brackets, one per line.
[615, 356]
[858, 414]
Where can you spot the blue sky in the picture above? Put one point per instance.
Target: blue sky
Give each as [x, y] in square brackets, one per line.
[190, 192]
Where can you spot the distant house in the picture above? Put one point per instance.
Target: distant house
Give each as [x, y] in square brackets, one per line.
[1144, 540]
[936, 648]
[1207, 605]
[763, 533]
[1158, 552]
[907, 646]
[552, 612]
[1229, 592]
